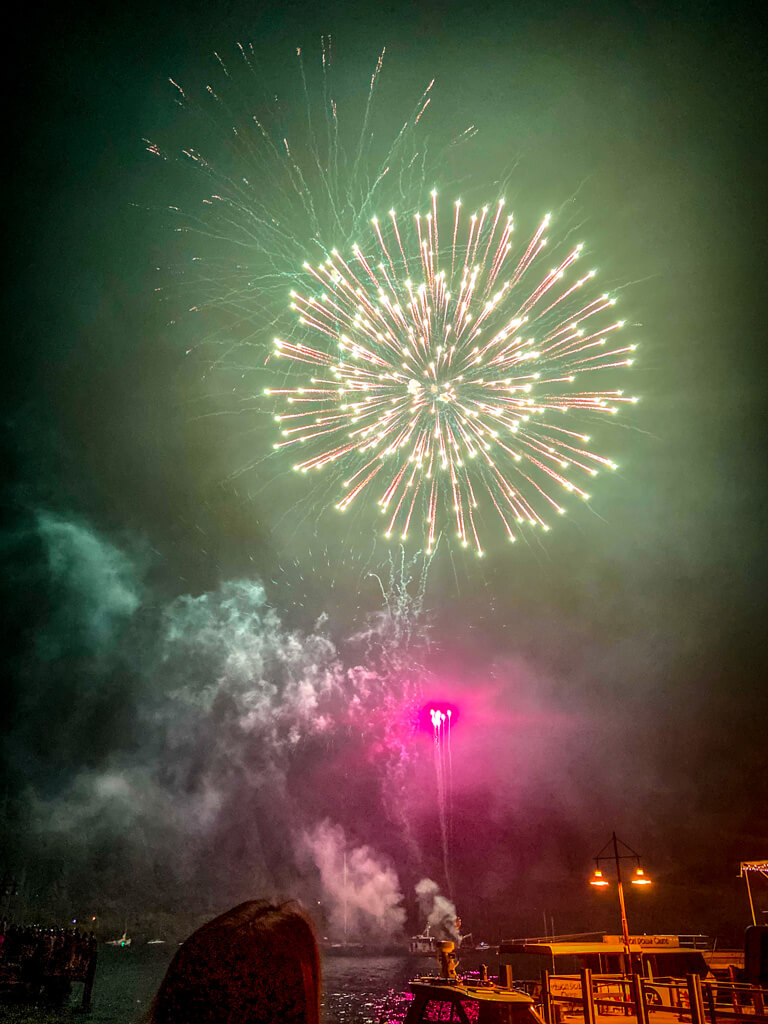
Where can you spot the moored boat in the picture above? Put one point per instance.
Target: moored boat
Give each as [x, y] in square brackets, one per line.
[650, 956]
[450, 997]
[427, 944]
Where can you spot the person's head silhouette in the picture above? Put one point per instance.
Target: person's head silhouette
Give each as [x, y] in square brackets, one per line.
[255, 964]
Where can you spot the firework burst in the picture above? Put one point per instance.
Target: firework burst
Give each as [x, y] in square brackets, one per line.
[445, 376]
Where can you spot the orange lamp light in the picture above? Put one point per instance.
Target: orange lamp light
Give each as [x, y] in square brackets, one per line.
[598, 880]
[639, 878]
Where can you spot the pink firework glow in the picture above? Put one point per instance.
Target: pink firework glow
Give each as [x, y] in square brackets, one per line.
[428, 714]
[441, 718]
[446, 374]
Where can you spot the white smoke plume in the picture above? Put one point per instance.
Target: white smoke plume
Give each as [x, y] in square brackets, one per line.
[360, 888]
[438, 910]
[237, 738]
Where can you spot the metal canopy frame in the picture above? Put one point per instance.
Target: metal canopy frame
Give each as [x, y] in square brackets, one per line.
[746, 868]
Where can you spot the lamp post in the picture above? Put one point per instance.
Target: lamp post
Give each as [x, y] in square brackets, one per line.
[601, 882]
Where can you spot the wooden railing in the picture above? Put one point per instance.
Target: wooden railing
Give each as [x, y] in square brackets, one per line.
[691, 999]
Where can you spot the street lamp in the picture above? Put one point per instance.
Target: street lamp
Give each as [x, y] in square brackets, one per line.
[599, 881]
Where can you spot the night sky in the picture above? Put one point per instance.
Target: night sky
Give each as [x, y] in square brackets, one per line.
[210, 677]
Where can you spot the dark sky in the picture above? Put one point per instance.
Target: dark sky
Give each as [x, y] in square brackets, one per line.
[612, 674]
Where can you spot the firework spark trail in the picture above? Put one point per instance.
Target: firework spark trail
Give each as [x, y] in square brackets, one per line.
[280, 180]
[449, 714]
[442, 390]
[443, 768]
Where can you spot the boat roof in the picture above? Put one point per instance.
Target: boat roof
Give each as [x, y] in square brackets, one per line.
[452, 991]
[585, 948]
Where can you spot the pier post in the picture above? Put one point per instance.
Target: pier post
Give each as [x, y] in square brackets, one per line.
[757, 1000]
[546, 998]
[587, 996]
[733, 974]
[638, 991]
[505, 976]
[710, 1001]
[695, 998]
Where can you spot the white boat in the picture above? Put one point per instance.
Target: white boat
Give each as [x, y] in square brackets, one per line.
[422, 945]
[427, 944]
[123, 941]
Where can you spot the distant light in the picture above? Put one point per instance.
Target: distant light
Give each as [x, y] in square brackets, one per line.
[597, 879]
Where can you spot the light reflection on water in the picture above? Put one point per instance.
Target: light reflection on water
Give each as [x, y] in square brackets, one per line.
[372, 990]
[356, 990]
[366, 990]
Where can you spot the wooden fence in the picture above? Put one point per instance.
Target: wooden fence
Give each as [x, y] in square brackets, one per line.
[690, 1000]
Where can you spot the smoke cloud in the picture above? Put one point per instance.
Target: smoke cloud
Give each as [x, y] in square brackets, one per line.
[360, 889]
[233, 745]
[438, 910]
[185, 753]
[96, 581]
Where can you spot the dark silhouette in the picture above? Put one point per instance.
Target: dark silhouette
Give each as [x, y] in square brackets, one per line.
[255, 964]
[39, 963]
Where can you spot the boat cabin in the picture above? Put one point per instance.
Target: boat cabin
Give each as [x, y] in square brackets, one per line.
[423, 945]
[653, 956]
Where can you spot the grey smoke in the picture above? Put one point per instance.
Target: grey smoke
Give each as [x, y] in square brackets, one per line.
[212, 786]
[192, 752]
[360, 888]
[438, 911]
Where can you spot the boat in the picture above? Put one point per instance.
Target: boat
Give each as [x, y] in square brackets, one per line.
[483, 1003]
[450, 997]
[122, 942]
[650, 956]
[422, 945]
[360, 949]
[427, 944]
[668, 975]
[155, 942]
[344, 949]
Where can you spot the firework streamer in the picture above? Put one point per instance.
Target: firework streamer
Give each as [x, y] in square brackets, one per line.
[449, 788]
[438, 725]
[443, 395]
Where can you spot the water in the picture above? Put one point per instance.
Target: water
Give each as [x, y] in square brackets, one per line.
[365, 990]
[356, 990]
